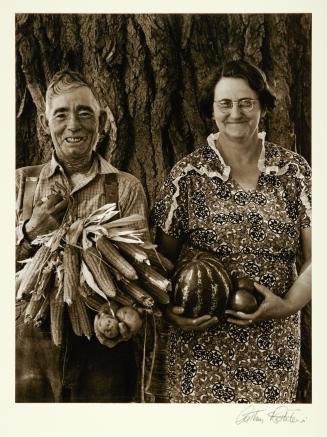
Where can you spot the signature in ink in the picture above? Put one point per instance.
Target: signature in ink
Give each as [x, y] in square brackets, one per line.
[284, 414]
[250, 414]
[278, 414]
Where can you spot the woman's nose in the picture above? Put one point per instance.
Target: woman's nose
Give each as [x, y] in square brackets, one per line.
[235, 111]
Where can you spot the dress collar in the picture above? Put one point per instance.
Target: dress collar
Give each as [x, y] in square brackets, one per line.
[262, 164]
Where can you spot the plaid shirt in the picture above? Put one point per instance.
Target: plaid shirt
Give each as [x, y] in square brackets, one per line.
[87, 196]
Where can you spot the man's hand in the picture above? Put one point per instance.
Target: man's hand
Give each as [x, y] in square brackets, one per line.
[46, 217]
[173, 314]
[272, 307]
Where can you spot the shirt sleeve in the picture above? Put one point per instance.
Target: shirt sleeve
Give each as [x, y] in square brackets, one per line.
[23, 248]
[170, 212]
[132, 200]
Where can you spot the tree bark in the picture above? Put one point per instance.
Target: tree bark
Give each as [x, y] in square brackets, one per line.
[148, 71]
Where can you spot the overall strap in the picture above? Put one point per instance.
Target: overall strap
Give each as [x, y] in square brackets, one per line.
[31, 177]
[111, 188]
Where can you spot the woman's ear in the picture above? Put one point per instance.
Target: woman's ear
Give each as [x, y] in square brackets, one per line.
[263, 113]
[44, 122]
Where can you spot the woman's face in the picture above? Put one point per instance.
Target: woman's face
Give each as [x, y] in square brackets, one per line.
[236, 124]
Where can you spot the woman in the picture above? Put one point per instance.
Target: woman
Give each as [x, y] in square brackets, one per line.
[247, 201]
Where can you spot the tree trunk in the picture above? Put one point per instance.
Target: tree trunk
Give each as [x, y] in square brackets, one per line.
[148, 71]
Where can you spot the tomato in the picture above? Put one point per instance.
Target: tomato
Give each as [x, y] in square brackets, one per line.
[243, 300]
[245, 283]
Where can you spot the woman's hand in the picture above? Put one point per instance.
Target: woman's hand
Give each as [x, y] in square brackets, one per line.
[174, 315]
[272, 307]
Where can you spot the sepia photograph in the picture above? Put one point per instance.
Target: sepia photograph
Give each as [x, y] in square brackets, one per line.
[163, 216]
[163, 171]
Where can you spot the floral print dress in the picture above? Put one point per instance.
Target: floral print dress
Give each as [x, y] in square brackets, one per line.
[256, 234]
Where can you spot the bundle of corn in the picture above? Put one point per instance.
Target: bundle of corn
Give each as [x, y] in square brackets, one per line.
[94, 263]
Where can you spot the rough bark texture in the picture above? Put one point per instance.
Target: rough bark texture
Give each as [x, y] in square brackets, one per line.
[148, 70]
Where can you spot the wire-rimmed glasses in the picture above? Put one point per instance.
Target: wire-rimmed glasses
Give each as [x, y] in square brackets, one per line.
[244, 105]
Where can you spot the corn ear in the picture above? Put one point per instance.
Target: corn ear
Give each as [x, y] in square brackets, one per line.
[79, 317]
[32, 308]
[57, 315]
[33, 268]
[157, 285]
[84, 319]
[113, 257]
[137, 293]
[43, 312]
[45, 281]
[72, 265]
[133, 251]
[123, 298]
[93, 301]
[158, 260]
[74, 318]
[99, 270]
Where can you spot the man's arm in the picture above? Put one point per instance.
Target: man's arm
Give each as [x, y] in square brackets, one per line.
[132, 200]
[44, 218]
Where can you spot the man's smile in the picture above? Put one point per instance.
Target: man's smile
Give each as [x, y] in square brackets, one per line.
[74, 140]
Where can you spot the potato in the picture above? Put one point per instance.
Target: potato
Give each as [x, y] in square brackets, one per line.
[129, 316]
[108, 325]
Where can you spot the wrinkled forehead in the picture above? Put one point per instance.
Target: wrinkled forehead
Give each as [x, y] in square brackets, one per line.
[68, 95]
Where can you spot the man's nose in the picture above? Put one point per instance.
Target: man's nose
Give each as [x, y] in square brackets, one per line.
[73, 122]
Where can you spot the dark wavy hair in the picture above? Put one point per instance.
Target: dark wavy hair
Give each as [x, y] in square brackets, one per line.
[239, 70]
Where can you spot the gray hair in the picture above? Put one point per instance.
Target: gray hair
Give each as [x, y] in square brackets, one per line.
[65, 80]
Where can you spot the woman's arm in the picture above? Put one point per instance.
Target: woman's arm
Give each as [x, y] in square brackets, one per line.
[300, 292]
[275, 307]
[171, 247]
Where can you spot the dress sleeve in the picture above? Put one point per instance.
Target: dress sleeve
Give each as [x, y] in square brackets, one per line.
[305, 211]
[170, 212]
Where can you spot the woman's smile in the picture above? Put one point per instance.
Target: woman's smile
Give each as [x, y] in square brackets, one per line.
[236, 125]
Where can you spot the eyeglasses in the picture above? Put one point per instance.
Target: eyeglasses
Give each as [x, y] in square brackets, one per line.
[244, 105]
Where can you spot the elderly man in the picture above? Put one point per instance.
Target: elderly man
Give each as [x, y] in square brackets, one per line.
[78, 370]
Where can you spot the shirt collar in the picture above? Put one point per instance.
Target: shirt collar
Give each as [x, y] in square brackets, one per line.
[99, 166]
[262, 164]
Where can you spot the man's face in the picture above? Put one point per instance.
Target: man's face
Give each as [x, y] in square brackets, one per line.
[73, 119]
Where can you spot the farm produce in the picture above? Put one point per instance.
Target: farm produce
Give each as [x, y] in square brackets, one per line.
[98, 265]
[201, 285]
[112, 320]
[245, 297]
[108, 325]
[243, 300]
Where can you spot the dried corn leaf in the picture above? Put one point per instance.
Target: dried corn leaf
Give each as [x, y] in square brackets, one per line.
[90, 280]
[125, 221]
[74, 232]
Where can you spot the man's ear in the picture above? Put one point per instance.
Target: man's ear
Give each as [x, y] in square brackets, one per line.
[44, 122]
[102, 120]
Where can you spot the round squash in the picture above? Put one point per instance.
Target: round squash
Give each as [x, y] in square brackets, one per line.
[201, 285]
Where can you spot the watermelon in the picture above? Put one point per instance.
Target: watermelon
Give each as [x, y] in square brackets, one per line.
[201, 284]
